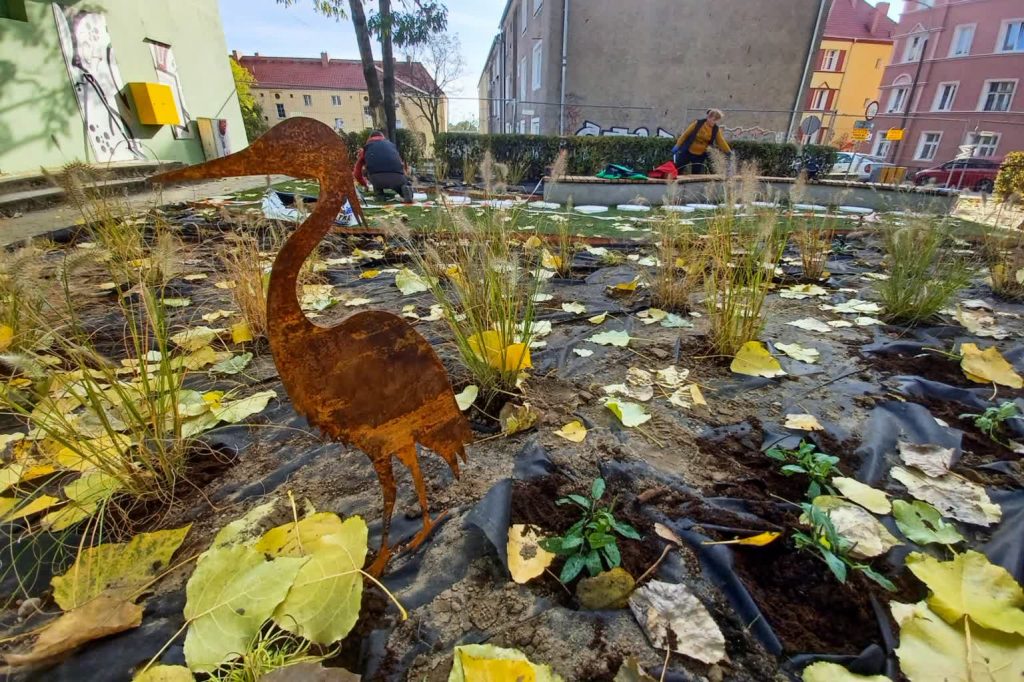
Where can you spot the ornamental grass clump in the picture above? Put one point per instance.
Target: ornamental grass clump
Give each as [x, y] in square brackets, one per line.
[1004, 253]
[680, 265]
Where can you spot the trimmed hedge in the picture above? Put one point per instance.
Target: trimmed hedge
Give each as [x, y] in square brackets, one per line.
[411, 144]
[588, 155]
[1011, 176]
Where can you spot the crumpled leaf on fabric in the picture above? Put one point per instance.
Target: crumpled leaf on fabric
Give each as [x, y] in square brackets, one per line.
[980, 323]
[824, 671]
[623, 288]
[931, 649]
[661, 607]
[549, 260]
[619, 338]
[866, 321]
[515, 418]
[933, 460]
[574, 431]
[652, 315]
[526, 558]
[489, 663]
[323, 602]
[233, 365]
[673, 321]
[574, 308]
[854, 306]
[240, 332]
[670, 377]
[988, 366]
[317, 297]
[629, 414]
[798, 352]
[802, 291]
[11, 511]
[630, 671]
[803, 422]
[532, 242]
[753, 359]
[839, 324]
[923, 524]
[85, 495]
[811, 324]
[687, 397]
[869, 538]
[217, 314]
[165, 673]
[606, 590]
[409, 282]
[101, 617]
[368, 274]
[872, 499]
[511, 357]
[118, 570]
[583, 352]
[598, 319]
[970, 585]
[541, 297]
[952, 495]
[194, 338]
[759, 540]
[466, 397]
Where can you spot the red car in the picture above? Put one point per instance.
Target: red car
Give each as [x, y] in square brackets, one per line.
[976, 174]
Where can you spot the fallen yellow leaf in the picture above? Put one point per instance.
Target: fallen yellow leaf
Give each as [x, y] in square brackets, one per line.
[488, 346]
[533, 242]
[988, 366]
[240, 332]
[803, 422]
[526, 558]
[574, 431]
[6, 336]
[759, 540]
[369, 274]
[753, 359]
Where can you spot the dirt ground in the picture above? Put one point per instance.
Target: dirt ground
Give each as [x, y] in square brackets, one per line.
[701, 470]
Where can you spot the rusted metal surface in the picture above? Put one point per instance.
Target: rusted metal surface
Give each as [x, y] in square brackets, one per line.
[372, 381]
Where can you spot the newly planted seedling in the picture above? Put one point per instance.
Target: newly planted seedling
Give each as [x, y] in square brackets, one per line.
[590, 542]
[806, 460]
[832, 548]
[991, 421]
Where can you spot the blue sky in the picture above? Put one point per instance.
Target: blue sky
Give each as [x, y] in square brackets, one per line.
[266, 27]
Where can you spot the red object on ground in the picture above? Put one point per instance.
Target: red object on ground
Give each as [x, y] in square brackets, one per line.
[666, 170]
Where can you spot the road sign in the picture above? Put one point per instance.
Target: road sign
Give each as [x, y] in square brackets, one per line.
[871, 110]
[894, 134]
[810, 125]
[867, 125]
[860, 134]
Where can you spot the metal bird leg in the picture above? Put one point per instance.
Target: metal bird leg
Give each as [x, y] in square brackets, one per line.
[371, 381]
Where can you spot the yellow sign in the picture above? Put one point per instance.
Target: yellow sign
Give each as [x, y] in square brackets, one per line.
[894, 134]
[860, 133]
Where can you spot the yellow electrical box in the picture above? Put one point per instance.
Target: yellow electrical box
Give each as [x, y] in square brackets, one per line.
[154, 104]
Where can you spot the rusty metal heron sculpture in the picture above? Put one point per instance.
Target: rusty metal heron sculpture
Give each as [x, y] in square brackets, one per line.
[371, 381]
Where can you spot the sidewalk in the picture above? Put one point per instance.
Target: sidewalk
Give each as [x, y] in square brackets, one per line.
[48, 220]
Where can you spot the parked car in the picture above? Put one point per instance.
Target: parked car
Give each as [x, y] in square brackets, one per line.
[854, 166]
[976, 174]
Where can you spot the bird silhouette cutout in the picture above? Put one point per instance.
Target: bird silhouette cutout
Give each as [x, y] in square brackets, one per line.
[371, 381]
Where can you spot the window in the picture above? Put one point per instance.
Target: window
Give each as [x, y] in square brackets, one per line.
[819, 100]
[997, 95]
[883, 147]
[537, 4]
[963, 36]
[521, 127]
[915, 46]
[336, 100]
[830, 60]
[944, 97]
[524, 18]
[535, 125]
[1012, 36]
[897, 100]
[985, 143]
[307, 100]
[339, 123]
[538, 63]
[927, 146]
[521, 77]
[280, 110]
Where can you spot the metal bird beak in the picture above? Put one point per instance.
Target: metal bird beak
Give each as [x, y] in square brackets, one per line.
[245, 162]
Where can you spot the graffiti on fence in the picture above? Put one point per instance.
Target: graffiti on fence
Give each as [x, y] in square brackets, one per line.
[591, 129]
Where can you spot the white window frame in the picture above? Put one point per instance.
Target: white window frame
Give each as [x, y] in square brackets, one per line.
[922, 142]
[896, 105]
[524, 18]
[819, 100]
[538, 65]
[307, 100]
[829, 60]
[339, 124]
[522, 79]
[908, 49]
[939, 92]
[535, 125]
[957, 32]
[521, 127]
[1004, 29]
[538, 4]
[279, 109]
[336, 100]
[975, 139]
[882, 147]
[985, 93]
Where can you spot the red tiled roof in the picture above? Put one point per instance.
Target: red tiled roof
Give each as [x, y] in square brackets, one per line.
[853, 19]
[337, 74]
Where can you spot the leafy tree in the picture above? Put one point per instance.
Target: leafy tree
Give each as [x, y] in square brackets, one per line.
[252, 112]
[467, 126]
[424, 89]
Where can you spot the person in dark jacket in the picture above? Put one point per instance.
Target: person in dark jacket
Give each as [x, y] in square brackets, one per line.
[691, 150]
[380, 161]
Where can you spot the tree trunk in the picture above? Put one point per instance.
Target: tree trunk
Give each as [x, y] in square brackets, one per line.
[376, 101]
[387, 55]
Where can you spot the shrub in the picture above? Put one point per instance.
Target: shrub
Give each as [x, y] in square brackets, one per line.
[1011, 176]
[587, 155]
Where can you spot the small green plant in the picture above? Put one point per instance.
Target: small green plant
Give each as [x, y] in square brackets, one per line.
[990, 422]
[923, 275]
[269, 651]
[805, 460]
[590, 542]
[832, 548]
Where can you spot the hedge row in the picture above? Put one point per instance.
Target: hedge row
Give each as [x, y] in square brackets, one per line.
[411, 145]
[1011, 176]
[588, 155]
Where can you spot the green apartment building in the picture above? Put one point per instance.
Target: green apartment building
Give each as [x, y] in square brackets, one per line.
[114, 82]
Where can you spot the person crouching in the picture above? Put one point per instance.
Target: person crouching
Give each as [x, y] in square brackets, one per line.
[691, 150]
[381, 162]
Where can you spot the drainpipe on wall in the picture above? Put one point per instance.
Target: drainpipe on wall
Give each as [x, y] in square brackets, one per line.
[910, 100]
[504, 85]
[565, 61]
[812, 49]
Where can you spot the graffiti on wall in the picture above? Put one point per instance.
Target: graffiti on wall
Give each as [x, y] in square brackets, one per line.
[591, 129]
[167, 73]
[96, 79]
[755, 134]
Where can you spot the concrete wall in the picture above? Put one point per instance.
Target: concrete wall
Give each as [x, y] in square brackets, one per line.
[40, 124]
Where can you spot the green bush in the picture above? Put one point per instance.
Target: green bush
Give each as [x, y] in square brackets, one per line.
[1011, 176]
[410, 144]
[587, 155]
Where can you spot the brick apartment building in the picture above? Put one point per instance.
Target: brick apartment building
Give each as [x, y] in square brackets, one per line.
[954, 80]
[608, 67]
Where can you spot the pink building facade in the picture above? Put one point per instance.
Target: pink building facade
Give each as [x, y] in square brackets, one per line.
[956, 79]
